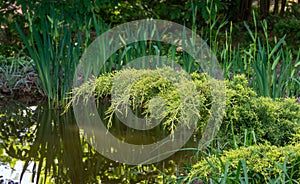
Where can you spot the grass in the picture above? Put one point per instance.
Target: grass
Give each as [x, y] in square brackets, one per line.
[273, 71]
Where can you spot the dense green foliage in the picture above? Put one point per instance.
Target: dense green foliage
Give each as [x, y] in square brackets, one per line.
[261, 163]
[258, 141]
[271, 125]
[160, 93]
[270, 66]
[65, 28]
[262, 118]
[266, 119]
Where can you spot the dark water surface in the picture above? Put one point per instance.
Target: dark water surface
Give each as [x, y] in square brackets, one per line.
[43, 145]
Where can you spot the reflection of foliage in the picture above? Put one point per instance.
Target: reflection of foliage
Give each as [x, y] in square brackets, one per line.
[17, 129]
[53, 142]
[4, 159]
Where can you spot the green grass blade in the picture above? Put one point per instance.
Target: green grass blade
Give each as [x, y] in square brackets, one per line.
[276, 47]
[246, 179]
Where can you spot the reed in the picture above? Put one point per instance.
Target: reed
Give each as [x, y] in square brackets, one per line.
[272, 69]
[55, 52]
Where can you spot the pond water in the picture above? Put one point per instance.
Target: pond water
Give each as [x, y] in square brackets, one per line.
[39, 144]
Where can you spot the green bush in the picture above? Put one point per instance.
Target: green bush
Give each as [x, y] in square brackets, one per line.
[255, 164]
[288, 25]
[265, 119]
[280, 119]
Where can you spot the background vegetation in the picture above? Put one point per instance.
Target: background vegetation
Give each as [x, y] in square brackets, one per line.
[64, 29]
[256, 43]
[258, 139]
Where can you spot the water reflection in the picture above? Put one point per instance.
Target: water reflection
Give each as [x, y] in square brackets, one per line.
[52, 150]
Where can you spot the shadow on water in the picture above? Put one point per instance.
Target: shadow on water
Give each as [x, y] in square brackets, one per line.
[50, 149]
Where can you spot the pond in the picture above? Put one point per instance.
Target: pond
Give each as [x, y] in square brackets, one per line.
[43, 145]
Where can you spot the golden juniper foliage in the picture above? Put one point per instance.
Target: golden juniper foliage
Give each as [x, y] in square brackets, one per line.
[263, 162]
[177, 96]
[161, 93]
[156, 94]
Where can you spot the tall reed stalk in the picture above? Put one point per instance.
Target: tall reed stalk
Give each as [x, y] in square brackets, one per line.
[55, 51]
[272, 69]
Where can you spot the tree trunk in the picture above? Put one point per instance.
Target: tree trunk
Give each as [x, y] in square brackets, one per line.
[283, 3]
[276, 6]
[244, 9]
[240, 10]
[268, 6]
[264, 8]
[249, 9]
